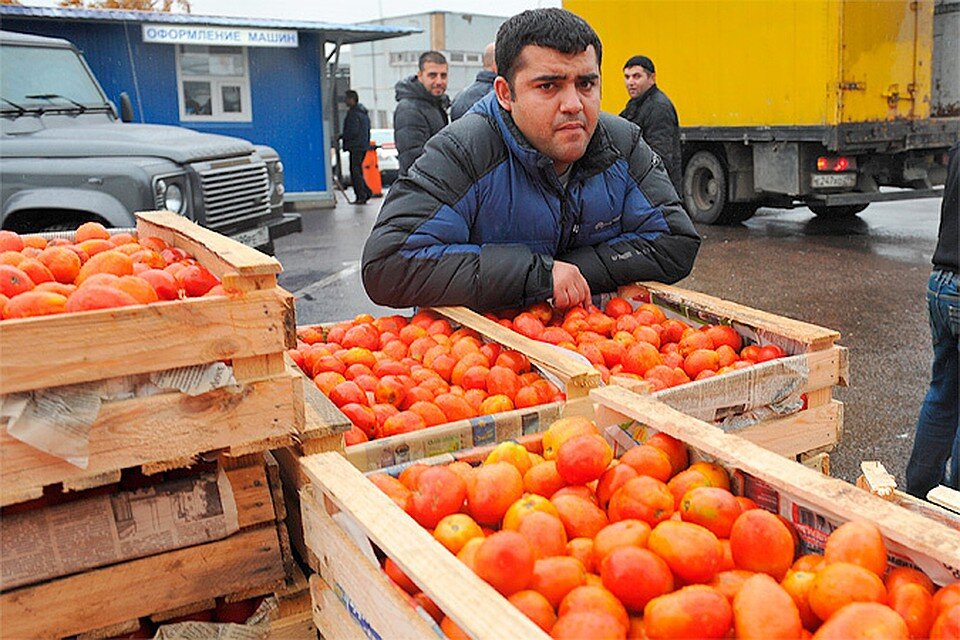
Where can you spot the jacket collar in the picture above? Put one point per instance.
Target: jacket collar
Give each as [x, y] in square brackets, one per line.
[634, 104]
[486, 77]
[599, 155]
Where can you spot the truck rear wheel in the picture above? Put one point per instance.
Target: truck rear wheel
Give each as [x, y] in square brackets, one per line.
[704, 188]
[840, 211]
[705, 192]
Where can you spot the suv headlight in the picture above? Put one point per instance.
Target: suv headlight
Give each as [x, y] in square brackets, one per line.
[169, 195]
[276, 179]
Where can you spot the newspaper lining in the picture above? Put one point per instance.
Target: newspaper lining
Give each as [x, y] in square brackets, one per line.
[68, 538]
[257, 626]
[58, 420]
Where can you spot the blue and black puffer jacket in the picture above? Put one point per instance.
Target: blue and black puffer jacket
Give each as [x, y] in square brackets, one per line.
[481, 216]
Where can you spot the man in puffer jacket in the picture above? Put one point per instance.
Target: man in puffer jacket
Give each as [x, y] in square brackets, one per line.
[421, 108]
[534, 194]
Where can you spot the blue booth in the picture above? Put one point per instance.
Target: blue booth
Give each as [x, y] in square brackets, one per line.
[264, 80]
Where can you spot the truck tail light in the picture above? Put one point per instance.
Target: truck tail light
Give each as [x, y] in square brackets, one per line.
[836, 164]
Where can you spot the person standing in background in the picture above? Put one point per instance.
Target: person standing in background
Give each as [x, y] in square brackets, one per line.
[421, 108]
[356, 140]
[480, 87]
[653, 112]
[938, 428]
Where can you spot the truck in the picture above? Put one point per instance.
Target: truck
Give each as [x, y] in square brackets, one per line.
[828, 104]
[67, 157]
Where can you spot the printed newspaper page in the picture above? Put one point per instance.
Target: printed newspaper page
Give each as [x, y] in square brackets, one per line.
[59, 540]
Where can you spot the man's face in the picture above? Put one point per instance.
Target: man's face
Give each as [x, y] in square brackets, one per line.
[555, 102]
[433, 77]
[638, 80]
[350, 101]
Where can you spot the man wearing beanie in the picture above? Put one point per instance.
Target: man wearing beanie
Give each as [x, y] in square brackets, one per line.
[653, 112]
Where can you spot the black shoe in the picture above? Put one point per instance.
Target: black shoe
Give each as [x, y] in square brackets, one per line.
[360, 201]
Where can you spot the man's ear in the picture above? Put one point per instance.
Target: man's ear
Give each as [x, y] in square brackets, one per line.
[502, 89]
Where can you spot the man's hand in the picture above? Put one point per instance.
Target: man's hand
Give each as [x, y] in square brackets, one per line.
[569, 286]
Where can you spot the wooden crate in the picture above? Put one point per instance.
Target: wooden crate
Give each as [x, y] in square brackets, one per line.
[344, 514]
[760, 395]
[251, 329]
[253, 561]
[764, 398]
[575, 375]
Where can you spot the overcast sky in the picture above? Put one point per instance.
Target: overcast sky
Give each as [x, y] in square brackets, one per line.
[348, 10]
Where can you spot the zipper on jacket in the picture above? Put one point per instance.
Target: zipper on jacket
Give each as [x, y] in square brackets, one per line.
[569, 225]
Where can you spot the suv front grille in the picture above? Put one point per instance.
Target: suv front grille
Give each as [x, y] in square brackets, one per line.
[235, 194]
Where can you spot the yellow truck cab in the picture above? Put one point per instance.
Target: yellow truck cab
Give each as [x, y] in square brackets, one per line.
[788, 103]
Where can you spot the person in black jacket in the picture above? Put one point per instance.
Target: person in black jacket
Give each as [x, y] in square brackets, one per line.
[421, 108]
[356, 140]
[480, 87]
[651, 110]
[938, 428]
[534, 194]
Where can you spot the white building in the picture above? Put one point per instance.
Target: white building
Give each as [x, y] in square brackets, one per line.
[376, 67]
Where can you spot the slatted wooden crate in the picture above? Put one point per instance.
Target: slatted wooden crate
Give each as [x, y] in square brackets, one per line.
[343, 513]
[575, 376]
[250, 329]
[764, 398]
[101, 601]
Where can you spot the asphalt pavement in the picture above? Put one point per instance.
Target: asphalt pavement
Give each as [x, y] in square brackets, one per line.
[864, 277]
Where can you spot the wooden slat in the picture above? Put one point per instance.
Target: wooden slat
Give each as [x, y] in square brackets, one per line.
[93, 345]
[810, 334]
[332, 619]
[90, 482]
[155, 429]
[372, 597]
[113, 631]
[218, 253]
[258, 367]
[184, 610]
[823, 369]
[322, 418]
[472, 603]
[798, 433]
[251, 492]
[577, 375]
[295, 626]
[134, 589]
[831, 496]
[945, 497]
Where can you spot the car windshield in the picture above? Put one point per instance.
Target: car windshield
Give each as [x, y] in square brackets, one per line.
[57, 74]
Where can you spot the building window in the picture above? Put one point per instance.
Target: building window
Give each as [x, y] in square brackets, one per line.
[213, 84]
[399, 58]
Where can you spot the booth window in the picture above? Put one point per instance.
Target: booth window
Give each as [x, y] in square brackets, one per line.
[213, 84]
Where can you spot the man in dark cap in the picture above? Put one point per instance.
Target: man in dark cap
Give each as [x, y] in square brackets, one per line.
[653, 112]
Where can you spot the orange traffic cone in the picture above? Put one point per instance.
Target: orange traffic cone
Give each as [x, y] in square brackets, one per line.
[371, 171]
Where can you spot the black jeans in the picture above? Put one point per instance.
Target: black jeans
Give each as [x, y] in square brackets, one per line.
[360, 188]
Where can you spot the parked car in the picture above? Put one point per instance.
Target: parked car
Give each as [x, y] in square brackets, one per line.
[66, 158]
[387, 158]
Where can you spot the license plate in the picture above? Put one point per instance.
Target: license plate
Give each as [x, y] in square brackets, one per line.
[254, 237]
[830, 180]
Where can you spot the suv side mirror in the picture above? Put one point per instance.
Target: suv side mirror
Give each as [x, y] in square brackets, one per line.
[126, 107]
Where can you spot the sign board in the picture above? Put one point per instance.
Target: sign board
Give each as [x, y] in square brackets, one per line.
[218, 36]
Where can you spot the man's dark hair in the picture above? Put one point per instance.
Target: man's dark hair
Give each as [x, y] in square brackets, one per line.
[431, 56]
[350, 93]
[640, 61]
[552, 28]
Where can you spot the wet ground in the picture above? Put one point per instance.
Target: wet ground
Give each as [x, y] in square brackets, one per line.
[864, 277]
